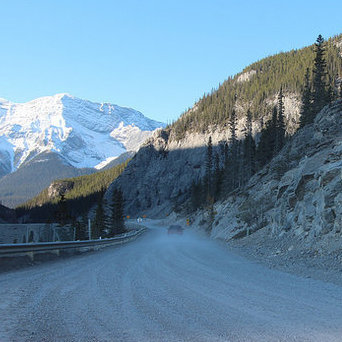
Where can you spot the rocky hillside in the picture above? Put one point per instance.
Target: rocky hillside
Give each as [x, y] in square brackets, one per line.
[160, 174]
[298, 195]
[158, 178]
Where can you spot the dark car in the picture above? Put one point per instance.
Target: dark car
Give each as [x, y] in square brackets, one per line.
[175, 229]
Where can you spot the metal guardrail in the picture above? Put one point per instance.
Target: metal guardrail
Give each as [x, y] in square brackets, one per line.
[9, 250]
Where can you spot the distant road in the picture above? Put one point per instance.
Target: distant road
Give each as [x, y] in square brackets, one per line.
[165, 288]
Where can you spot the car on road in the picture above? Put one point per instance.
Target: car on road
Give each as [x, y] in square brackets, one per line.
[175, 229]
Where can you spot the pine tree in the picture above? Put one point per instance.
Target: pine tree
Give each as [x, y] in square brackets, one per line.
[232, 127]
[62, 214]
[331, 96]
[266, 146]
[249, 147]
[248, 130]
[82, 228]
[319, 95]
[231, 169]
[117, 224]
[306, 112]
[99, 222]
[280, 124]
[208, 170]
[239, 171]
[217, 177]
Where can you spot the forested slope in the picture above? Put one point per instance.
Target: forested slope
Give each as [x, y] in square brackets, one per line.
[76, 187]
[254, 87]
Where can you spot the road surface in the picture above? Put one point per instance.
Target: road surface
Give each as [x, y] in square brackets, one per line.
[165, 288]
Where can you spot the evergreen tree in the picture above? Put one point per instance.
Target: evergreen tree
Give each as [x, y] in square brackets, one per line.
[266, 146]
[249, 152]
[82, 228]
[319, 95]
[232, 127]
[232, 165]
[217, 177]
[224, 153]
[208, 170]
[117, 225]
[306, 112]
[99, 222]
[248, 129]
[239, 165]
[331, 96]
[280, 124]
[62, 214]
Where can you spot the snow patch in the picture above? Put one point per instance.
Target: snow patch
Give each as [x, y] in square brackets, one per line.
[104, 163]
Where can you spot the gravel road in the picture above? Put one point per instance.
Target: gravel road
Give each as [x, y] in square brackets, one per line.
[166, 288]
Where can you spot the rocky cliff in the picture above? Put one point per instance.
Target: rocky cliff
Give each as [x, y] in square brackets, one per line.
[298, 195]
[160, 174]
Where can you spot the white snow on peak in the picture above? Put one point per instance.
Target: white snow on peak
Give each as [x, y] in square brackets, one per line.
[104, 163]
[85, 133]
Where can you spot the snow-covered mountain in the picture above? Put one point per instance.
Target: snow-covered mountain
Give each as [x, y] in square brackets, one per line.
[84, 133]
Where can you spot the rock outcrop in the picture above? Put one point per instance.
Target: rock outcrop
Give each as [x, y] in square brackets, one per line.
[59, 188]
[299, 192]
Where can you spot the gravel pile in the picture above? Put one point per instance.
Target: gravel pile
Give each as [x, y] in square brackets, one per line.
[294, 254]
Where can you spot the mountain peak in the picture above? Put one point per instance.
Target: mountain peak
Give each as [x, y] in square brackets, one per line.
[61, 95]
[85, 133]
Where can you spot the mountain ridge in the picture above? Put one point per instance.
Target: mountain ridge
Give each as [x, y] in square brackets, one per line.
[85, 133]
[62, 136]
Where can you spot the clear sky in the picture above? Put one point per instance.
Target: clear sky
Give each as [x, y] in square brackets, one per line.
[158, 57]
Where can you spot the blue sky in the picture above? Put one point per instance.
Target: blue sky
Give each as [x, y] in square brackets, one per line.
[158, 57]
